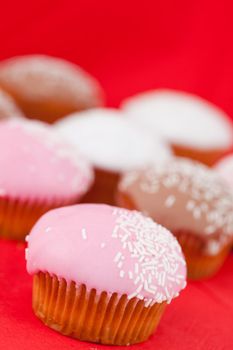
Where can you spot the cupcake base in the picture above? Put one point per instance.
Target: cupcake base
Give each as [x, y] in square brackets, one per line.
[103, 189]
[17, 217]
[207, 157]
[83, 314]
[200, 264]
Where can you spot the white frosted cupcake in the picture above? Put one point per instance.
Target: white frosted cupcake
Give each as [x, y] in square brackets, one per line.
[113, 145]
[194, 127]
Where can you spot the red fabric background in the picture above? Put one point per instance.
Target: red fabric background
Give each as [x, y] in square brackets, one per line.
[129, 46]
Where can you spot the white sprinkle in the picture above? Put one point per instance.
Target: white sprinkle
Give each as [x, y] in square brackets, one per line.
[48, 229]
[84, 233]
[213, 247]
[130, 246]
[148, 302]
[130, 275]
[170, 201]
[102, 245]
[120, 264]
[122, 273]
[136, 268]
[210, 229]
[190, 205]
[137, 280]
[114, 234]
[117, 257]
[27, 238]
[197, 213]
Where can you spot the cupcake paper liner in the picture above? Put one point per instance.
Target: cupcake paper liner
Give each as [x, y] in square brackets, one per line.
[200, 264]
[18, 216]
[75, 311]
[103, 189]
[208, 157]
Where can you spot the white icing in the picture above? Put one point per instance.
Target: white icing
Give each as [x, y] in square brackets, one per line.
[110, 141]
[181, 118]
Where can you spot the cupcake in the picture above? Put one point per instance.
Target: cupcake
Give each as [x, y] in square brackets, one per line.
[48, 88]
[194, 127]
[103, 274]
[193, 202]
[38, 172]
[225, 169]
[8, 107]
[112, 145]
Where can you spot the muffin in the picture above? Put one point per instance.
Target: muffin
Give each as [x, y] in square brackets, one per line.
[112, 145]
[8, 107]
[194, 127]
[48, 88]
[225, 169]
[103, 274]
[38, 172]
[193, 202]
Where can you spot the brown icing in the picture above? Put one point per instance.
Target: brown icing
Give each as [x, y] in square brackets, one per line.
[183, 196]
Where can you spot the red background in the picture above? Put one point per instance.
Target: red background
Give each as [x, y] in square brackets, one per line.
[129, 46]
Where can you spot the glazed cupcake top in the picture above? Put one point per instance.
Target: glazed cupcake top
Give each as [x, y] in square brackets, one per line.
[34, 163]
[225, 169]
[110, 141]
[108, 249]
[181, 118]
[51, 77]
[8, 107]
[184, 195]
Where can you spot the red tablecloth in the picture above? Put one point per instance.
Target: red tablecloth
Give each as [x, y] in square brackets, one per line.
[200, 319]
[129, 46]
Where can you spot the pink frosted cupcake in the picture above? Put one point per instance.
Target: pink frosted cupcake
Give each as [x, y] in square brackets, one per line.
[103, 274]
[38, 172]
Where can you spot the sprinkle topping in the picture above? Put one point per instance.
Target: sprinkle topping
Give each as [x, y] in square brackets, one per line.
[155, 253]
[190, 188]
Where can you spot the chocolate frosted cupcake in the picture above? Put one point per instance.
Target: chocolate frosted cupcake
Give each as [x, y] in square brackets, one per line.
[38, 172]
[48, 88]
[103, 274]
[190, 200]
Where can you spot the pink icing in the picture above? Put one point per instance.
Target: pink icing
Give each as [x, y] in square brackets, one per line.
[109, 249]
[35, 164]
[225, 169]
